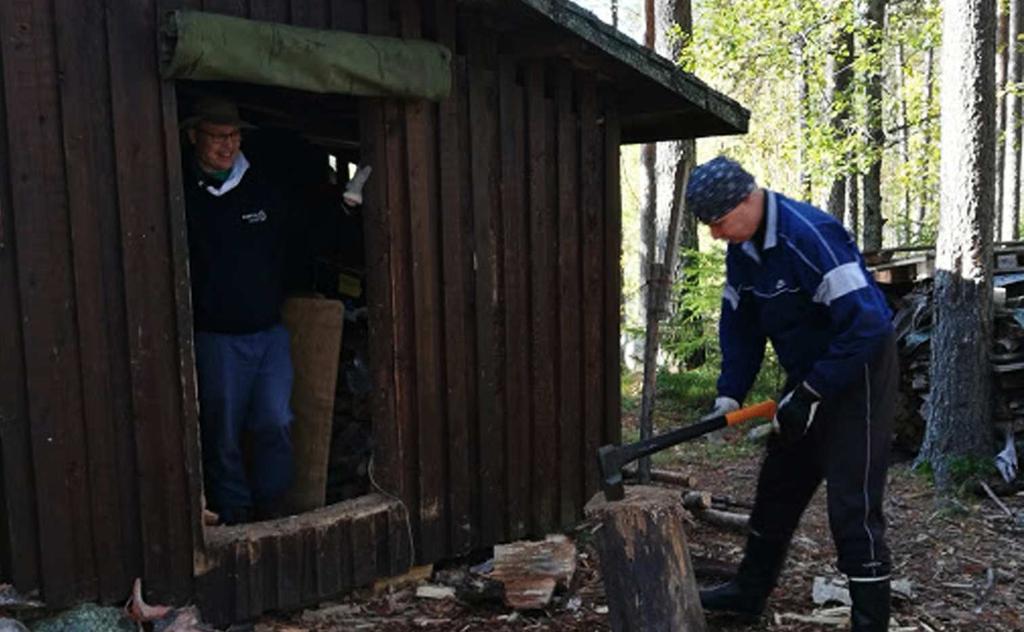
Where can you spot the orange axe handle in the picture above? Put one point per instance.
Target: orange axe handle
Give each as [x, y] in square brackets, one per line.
[762, 410]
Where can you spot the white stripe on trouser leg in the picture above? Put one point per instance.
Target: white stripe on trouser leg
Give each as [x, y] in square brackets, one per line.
[867, 580]
[867, 460]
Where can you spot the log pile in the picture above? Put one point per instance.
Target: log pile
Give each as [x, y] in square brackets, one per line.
[913, 310]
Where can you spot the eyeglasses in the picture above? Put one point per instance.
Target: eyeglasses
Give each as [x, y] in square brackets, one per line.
[221, 139]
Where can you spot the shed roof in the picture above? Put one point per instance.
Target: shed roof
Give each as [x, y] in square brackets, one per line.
[657, 100]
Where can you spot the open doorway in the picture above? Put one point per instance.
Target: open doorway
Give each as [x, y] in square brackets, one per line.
[308, 146]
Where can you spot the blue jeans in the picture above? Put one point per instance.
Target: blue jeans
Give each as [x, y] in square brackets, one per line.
[245, 384]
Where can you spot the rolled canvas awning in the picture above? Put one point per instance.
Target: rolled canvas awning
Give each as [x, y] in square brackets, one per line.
[211, 47]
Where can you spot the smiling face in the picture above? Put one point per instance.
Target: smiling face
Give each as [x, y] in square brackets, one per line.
[740, 224]
[216, 145]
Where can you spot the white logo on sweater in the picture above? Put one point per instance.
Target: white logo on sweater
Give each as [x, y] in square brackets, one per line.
[255, 218]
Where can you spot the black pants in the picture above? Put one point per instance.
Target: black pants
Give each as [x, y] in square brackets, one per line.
[848, 447]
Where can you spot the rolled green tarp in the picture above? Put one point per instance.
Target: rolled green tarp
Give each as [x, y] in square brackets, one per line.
[211, 47]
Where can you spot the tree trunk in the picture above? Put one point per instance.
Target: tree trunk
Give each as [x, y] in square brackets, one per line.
[853, 205]
[648, 265]
[905, 220]
[1002, 59]
[926, 141]
[672, 163]
[1011, 152]
[797, 45]
[875, 17]
[960, 421]
[842, 75]
[676, 159]
[645, 563]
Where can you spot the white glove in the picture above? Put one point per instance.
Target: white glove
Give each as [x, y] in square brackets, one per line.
[353, 195]
[1006, 461]
[723, 406]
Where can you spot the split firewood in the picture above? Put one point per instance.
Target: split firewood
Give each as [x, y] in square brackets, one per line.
[140, 611]
[697, 501]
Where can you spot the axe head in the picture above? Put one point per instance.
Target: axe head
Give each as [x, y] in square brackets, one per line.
[609, 466]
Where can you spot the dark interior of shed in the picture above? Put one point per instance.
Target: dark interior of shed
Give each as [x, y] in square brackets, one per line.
[309, 144]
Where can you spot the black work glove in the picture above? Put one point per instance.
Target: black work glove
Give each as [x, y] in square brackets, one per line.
[795, 413]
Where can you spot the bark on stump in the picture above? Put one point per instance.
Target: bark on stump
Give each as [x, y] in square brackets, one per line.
[645, 562]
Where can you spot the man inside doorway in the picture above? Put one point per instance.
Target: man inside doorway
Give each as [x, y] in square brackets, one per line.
[237, 242]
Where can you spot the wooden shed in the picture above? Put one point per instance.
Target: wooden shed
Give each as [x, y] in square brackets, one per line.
[491, 230]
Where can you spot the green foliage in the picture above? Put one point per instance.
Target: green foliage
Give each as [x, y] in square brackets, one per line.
[755, 50]
[964, 472]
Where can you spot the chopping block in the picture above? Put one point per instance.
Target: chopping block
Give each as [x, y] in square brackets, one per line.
[645, 562]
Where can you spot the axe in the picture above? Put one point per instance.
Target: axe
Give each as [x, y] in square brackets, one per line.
[611, 458]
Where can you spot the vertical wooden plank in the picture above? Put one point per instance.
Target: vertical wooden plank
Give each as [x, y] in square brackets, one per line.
[290, 569]
[455, 273]
[468, 233]
[187, 396]
[403, 325]
[239, 551]
[166, 509]
[348, 15]
[18, 526]
[270, 10]
[388, 450]
[516, 256]
[254, 558]
[308, 580]
[215, 587]
[544, 444]
[364, 549]
[422, 176]
[399, 554]
[591, 198]
[551, 429]
[481, 53]
[310, 13]
[271, 572]
[613, 275]
[345, 555]
[570, 322]
[85, 89]
[45, 270]
[328, 571]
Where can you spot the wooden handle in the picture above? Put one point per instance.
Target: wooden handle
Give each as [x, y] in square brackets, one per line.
[763, 410]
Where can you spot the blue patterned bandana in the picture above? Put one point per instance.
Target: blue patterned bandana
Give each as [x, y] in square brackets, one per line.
[716, 187]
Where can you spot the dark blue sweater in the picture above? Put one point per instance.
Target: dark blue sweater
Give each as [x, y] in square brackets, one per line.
[807, 290]
[237, 253]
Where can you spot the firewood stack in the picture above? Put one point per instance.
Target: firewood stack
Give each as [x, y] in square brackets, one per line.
[912, 305]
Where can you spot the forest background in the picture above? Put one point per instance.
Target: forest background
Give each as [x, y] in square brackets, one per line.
[845, 100]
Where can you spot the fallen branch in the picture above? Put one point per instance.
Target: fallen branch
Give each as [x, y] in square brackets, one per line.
[995, 499]
[738, 523]
[666, 477]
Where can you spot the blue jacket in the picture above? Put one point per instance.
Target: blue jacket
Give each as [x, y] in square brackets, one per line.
[808, 291]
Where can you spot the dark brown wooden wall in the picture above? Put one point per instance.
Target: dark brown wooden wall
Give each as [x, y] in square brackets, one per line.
[493, 231]
[95, 407]
[495, 228]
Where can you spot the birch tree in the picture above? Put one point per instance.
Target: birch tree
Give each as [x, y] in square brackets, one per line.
[875, 27]
[1010, 212]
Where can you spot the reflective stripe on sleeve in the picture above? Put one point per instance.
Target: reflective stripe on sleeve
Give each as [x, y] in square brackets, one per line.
[731, 295]
[840, 281]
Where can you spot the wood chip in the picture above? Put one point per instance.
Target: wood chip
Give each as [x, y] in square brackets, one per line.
[531, 571]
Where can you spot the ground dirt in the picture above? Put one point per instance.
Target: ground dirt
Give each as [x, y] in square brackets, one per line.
[965, 566]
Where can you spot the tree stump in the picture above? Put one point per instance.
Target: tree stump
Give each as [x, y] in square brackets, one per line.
[645, 562]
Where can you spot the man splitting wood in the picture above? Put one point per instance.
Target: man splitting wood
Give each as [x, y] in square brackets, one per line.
[795, 276]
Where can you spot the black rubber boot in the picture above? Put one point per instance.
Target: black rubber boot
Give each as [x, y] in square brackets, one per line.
[870, 611]
[747, 592]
